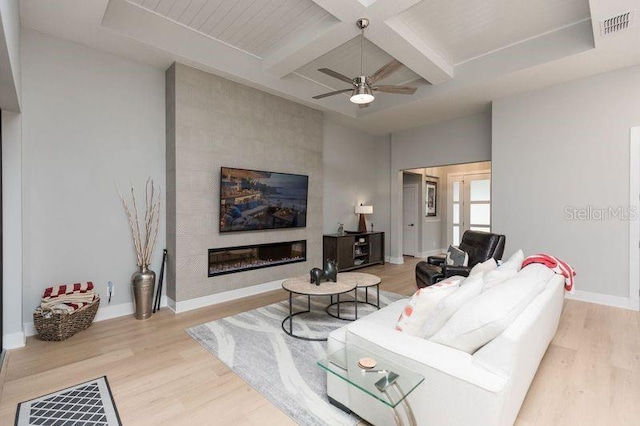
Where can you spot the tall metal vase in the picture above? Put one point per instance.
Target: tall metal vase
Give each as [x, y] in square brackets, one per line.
[144, 282]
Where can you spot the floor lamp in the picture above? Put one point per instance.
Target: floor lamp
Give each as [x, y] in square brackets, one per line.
[362, 211]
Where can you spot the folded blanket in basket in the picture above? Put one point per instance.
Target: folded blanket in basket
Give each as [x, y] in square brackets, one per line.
[74, 301]
[67, 298]
[63, 307]
[60, 290]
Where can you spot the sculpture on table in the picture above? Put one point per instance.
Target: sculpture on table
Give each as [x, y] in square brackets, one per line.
[330, 272]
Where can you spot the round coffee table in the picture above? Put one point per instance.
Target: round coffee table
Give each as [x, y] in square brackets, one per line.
[301, 286]
[362, 280]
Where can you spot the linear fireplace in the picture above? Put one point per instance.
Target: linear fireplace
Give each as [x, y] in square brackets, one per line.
[228, 260]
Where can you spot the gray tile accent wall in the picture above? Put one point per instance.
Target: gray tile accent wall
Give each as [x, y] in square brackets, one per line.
[170, 120]
[217, 122]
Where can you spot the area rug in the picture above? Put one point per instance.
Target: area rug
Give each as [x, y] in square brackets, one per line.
[280, 367]
[88, 404]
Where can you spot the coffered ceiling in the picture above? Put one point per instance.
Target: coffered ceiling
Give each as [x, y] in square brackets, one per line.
[461, 54]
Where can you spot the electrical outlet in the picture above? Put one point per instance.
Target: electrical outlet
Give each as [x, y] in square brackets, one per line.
[111, 290]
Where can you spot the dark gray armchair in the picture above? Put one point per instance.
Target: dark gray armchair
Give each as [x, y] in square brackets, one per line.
[480, 246]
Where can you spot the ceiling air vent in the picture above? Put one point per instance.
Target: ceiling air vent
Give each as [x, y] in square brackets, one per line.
[618, 23]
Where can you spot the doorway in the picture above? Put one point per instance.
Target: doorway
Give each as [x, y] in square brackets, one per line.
[469, 204]
[410, 219]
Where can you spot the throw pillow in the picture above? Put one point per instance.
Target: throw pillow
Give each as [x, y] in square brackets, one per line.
[457, 257]
[469, 288]
[486, 266]
[504, 272]
[422, 303]
[488, 315]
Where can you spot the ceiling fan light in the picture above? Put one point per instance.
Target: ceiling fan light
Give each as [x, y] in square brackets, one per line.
[361, 95]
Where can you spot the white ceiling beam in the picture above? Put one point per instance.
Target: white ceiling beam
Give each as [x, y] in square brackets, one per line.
[301, 52]
[194, 49]
[402, 43]
[385, 31]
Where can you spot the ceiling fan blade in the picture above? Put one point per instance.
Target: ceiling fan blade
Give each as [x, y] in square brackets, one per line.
[400, 90]
[385, 71]
[364, 105]
[337, 75]
[337, 92]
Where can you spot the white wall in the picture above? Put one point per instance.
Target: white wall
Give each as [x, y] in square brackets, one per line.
[10, 79]
[13, 335]
[462, 140]
[561, 147]
[356, 170]
[90, 120]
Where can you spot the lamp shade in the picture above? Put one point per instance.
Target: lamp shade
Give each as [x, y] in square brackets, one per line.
[362, 92]
[364, 209]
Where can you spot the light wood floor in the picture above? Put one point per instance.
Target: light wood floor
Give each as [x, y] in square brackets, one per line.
[590, 374]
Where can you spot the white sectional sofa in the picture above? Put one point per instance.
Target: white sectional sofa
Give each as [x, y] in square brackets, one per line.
[483, 388]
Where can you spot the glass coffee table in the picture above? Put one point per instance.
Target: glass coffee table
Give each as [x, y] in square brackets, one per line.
[388, 382]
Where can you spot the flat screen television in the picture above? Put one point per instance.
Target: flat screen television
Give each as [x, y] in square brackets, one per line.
[252, 200]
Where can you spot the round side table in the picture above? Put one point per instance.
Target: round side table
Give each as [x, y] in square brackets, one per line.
[301, 286]
[364, 281]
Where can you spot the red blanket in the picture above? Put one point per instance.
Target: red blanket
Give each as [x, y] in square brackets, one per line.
[59, 290]
[556, 265]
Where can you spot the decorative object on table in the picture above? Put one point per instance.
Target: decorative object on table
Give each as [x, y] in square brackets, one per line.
[156, 303]
[65, 310]
[340, 228]
[88, 403]
[144, 233]
[367, 363]
[254, 347]
[330, 272]
[431, 196]
[362, 211]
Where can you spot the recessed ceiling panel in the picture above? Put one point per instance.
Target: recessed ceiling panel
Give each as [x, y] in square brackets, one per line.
[254, 26]
[465, 29]
[346, 60]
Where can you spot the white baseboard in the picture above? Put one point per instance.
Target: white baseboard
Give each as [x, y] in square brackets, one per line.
[14, 340]
[428, 253]
[104, 313]
[602, 299]
[201, 302]
[396, 260]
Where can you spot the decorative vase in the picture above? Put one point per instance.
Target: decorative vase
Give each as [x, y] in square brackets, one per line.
[144, 282]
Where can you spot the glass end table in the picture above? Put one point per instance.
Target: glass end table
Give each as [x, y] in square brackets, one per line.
[387, 382]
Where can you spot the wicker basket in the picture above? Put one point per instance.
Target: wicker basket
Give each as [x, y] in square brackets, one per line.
[62, 325]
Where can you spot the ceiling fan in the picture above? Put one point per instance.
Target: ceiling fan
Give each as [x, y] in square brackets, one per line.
[364, 86]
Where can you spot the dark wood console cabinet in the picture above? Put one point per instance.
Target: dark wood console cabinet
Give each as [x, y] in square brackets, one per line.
[354, 250]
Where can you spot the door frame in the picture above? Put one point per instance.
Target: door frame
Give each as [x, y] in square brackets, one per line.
[450, 199]
[416, 205]
[634, 222]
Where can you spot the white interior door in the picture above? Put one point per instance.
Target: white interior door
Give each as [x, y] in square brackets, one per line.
[409, 219]
[477, 202]
[469, 204]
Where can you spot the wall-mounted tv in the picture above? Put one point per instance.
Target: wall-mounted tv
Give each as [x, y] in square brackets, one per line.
[252, 200]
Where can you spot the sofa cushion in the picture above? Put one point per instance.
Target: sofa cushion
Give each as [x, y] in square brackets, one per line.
[422, 304]
[468, 289]
[457, 257]
[507, 270]
[486, 266]
[482, 319]
[384, 317]
[537, 271]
